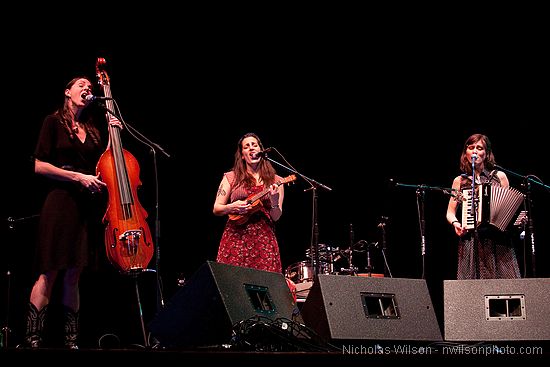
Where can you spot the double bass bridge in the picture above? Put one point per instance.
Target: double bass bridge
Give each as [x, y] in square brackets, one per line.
[130, 240]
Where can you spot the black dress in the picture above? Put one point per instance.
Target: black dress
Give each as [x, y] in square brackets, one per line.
[70, 213]
[496, 256]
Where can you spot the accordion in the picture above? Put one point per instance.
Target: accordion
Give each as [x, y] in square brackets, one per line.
[496, 205]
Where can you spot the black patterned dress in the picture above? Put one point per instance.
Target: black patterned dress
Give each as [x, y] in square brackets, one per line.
[496, 255]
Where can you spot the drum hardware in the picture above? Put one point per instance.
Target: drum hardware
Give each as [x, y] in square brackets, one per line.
[369, 265]
[352, 270]
[303, 271]
[327, 255]
[358, 247]
[349, 271]
[382, 225]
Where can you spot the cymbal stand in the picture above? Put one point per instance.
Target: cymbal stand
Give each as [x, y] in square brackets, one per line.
[352, 269]
[382, 226]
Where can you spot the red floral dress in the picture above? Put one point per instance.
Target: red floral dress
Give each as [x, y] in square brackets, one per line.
[252, 244]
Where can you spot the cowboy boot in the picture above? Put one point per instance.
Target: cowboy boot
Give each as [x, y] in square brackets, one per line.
[72, 327]
[35, 326]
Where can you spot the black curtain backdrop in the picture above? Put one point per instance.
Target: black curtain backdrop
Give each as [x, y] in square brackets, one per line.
[347, 107]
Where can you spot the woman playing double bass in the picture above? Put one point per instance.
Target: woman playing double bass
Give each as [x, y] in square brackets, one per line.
[66, 154]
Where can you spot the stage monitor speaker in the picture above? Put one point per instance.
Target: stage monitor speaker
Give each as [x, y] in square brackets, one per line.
[497, 309]
[218, 296]
[346, 308]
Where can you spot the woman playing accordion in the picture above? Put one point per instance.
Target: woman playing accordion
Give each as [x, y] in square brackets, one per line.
[484, 249]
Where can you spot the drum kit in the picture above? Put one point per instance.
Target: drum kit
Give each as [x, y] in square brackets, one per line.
[302, 273]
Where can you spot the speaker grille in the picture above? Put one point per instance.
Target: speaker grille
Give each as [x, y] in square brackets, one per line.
[346, 308]
[497, 309]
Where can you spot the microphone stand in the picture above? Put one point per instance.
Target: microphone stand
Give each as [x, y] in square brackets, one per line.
[475, 201]
[420, 193]
[420, 200]
[146, 141]
[6, 331]
[314, 185]
[528, 208]
[531, 228]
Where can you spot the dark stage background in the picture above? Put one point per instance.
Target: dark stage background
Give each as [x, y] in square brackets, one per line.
[348, 109]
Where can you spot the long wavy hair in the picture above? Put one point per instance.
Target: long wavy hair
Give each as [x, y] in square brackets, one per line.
[489, 161]
[265, 169]
[66, 114]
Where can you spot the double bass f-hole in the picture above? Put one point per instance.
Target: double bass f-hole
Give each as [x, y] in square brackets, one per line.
[128, 239]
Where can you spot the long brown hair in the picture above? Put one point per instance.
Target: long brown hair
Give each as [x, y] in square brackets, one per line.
[65, 114]
[488, 163]
[265, 169]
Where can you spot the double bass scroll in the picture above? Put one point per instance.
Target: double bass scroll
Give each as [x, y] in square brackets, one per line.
[128, 240]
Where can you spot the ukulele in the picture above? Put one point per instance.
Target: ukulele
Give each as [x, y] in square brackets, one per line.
[255, 201]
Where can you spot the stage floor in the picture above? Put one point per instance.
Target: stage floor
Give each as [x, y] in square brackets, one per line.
[352, 355]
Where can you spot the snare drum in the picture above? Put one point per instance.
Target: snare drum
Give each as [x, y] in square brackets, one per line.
[303, 271]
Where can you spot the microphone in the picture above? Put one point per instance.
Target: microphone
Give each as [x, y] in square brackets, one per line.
[91, 98]
[262, 153]
[474, 157]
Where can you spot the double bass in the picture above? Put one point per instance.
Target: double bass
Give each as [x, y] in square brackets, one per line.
[128, 239]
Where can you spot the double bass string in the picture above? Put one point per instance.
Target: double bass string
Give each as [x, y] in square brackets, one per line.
[125, 193]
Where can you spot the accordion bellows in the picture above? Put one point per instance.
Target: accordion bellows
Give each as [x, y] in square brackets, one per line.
[496, 205]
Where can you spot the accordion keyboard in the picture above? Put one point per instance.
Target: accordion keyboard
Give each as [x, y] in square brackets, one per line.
[468, 220]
